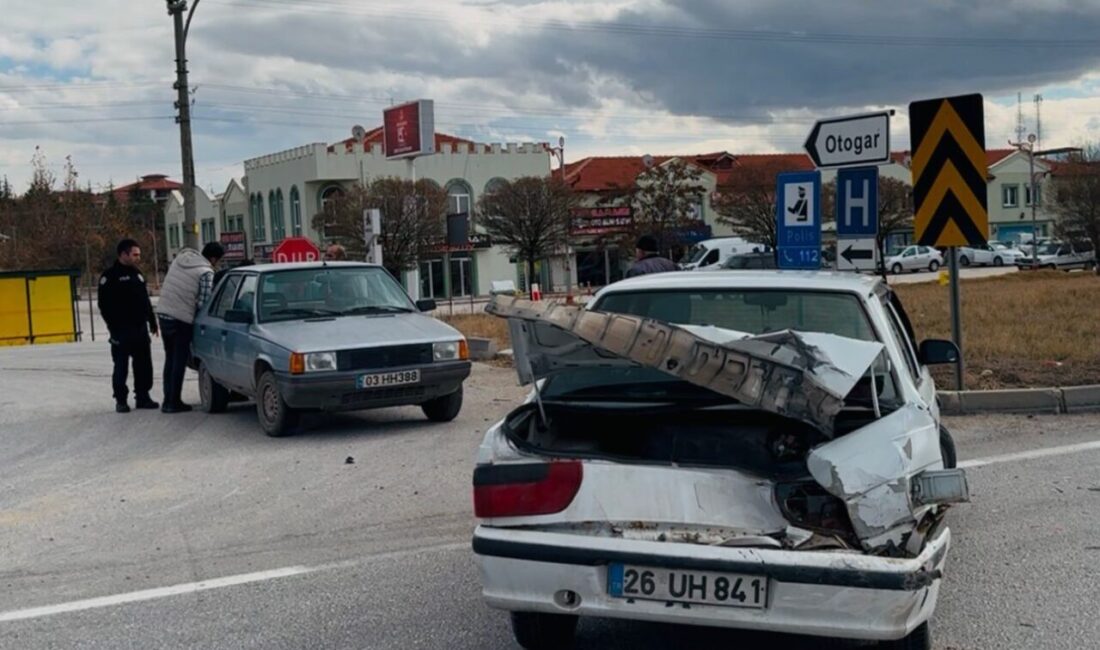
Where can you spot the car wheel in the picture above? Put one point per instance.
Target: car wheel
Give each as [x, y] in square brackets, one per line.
[896, 268]
[964, 260]
[933, 266]
[947, 449]
[213, 396]
[538, 631]
[918, 639]
[443, 409]
[276, 418]
[998, 261]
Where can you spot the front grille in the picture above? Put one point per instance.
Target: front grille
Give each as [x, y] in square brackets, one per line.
[394, 356]
[380, 394]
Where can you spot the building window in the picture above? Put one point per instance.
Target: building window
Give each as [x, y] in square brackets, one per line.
[462, 283]
[209, 231]
[278, 223]
[459, 197]
[259, 227]
[295, 212]
[1038, 194]
[1010, 196]
[173, 236]
[431, 279]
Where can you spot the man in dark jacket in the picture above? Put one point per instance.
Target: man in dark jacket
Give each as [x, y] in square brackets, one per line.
[125, 307]
[649, 260]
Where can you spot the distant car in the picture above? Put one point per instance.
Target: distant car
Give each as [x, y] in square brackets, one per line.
[1060, 255]
[1008, 254]
[979, 256]
[750, 261]
[913, 258]
[710, 253]
[337, 336]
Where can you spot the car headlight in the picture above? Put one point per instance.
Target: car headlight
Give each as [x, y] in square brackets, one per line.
[320, 361]
[450, 351]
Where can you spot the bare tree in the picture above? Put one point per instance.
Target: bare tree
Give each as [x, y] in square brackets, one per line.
[412, 219]
[1076, 197]
[665, 201]
[531, 216]
[747, 202]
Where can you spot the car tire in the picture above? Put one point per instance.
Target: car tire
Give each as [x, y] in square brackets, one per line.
[443, 409]
[213, 396]
[947, 449]
[918, 639]
[276, 418]
[997, 261]
[538, 631]
[896, 268]
[964, 260]
[933, 266]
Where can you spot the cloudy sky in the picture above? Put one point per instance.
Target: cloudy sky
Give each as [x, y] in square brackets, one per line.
[93, 79]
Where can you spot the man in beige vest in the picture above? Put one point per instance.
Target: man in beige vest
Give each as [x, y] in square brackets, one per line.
[186, 289]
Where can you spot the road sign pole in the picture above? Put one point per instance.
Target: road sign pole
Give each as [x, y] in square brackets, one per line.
[956, 318]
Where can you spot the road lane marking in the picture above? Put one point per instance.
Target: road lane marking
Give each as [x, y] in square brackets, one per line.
[1032, 453]
[213, 583]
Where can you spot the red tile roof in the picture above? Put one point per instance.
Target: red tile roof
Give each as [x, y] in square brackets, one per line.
[602, 173]
[148, 183]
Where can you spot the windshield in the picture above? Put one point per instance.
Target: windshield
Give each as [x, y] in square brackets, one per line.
[895, 251]
[754, 311]
[330, 291]
[1049, 249]
[694, 254]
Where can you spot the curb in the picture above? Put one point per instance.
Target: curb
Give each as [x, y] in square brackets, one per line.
[1054, 401]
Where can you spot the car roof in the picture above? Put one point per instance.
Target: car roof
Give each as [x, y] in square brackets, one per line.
[762, 279]
[301, 266]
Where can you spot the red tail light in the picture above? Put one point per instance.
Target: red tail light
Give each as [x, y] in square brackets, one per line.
[525, 489]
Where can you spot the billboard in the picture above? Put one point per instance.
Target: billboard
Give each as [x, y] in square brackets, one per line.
[602, 221]
[408, 130]
[235, 247]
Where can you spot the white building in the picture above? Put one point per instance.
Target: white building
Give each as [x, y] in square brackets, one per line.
[287, 189]
[207, 215]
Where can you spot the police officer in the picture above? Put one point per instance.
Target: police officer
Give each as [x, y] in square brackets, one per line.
[125, 306]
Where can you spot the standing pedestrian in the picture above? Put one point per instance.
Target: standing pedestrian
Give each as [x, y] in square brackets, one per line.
[125, 307]
[648, 259]
[186, 289]
[335, 253]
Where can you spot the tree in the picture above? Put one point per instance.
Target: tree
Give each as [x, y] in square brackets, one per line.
[412, 219]
[665, 201]
[1076, 197]
[895, 208]
[747, 202]
[531, 216]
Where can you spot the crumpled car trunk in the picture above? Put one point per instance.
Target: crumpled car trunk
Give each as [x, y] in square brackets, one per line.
[789, 428]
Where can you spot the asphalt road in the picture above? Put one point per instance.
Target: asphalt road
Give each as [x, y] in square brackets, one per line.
[145, 530]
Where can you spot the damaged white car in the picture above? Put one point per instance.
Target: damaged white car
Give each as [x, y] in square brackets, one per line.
[758, 450]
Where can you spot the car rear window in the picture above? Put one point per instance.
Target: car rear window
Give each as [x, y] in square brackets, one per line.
[755, 311]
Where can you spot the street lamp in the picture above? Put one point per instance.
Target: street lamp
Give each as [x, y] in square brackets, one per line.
[559, 153]
[183, 104]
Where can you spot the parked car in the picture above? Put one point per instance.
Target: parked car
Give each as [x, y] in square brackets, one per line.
[334, 336]
[913, 258]
[1061, 255]
[744, 261]
[979, 256]
[1008, 254]
[769, 469]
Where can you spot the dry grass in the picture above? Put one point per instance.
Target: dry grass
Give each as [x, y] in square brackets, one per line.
[1024, 329]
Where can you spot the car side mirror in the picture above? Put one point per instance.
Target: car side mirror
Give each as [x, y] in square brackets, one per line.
[238, 316]
[425, 305]
[936, 352]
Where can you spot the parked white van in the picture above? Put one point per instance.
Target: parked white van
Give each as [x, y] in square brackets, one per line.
[709, 254]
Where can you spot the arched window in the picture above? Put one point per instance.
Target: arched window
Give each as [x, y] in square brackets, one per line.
[328, 196]
[459, 197]
[295, 212]
[278, 223]
[495, 184]
[259, 225]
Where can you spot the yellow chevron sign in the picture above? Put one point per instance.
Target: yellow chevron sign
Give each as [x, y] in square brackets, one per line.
[949, 171]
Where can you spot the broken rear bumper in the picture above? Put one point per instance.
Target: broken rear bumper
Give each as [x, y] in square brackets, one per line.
[819, 593]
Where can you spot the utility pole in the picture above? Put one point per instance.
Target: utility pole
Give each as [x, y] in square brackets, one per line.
[559, 151]
[183, 104]
[1030, 147]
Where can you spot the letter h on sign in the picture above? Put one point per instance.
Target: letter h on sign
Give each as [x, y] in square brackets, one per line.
[857, 202]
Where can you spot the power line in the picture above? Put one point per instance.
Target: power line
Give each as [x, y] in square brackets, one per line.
[82, 120]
